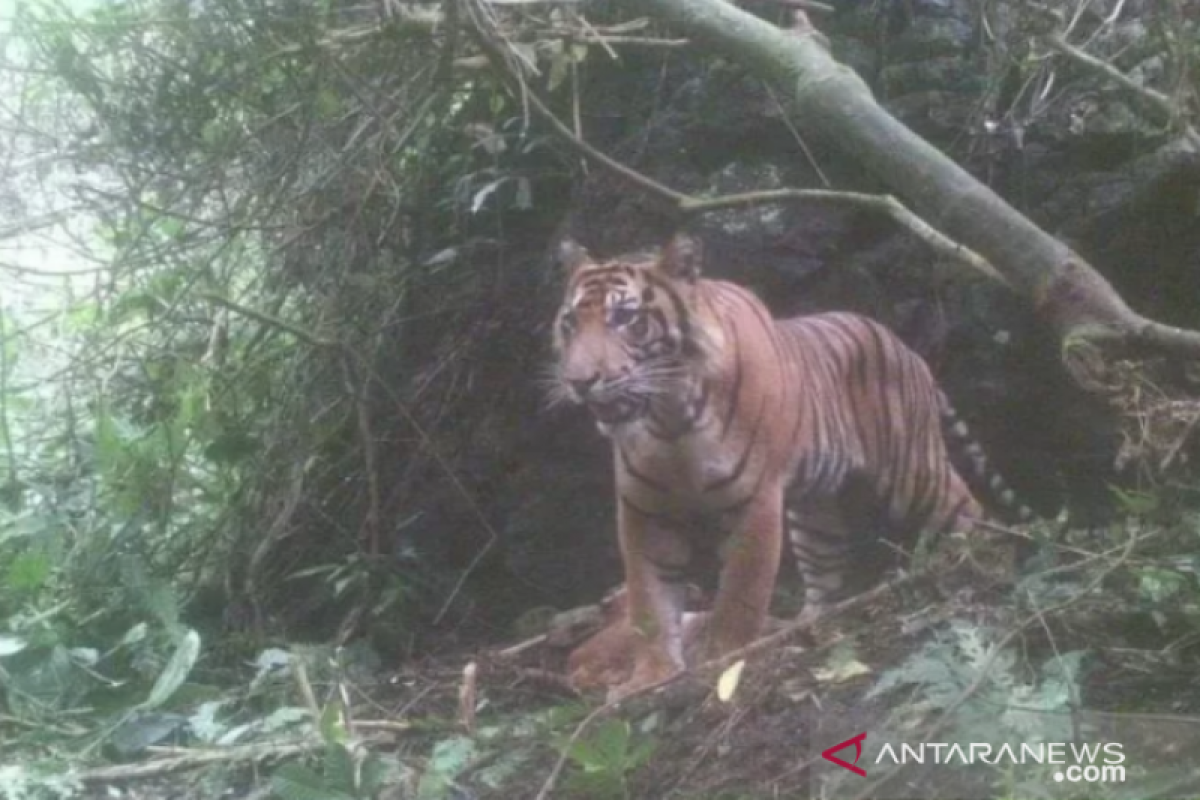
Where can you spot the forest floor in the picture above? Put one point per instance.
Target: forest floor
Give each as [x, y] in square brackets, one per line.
[1101, 647]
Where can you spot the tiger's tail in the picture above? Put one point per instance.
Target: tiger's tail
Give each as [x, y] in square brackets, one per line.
[983, 479]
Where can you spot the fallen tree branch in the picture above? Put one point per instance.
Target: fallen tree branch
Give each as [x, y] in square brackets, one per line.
[885, 203]
[686, 205]
[828, 99]
[199, 758]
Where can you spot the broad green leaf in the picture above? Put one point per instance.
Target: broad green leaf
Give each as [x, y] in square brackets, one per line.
[333, 724]
[298, 782]
[142, 730]
[339, 768]
[176, 671]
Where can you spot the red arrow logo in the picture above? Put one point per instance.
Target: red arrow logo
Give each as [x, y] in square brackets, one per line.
[828, 755]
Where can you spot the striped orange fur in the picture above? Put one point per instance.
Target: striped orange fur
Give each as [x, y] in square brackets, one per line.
[730, 429]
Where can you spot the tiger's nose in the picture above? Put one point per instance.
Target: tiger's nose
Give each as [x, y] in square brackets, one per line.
[583, 386]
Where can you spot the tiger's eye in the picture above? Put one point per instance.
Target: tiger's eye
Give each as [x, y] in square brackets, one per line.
[639, 327]
[622, 316]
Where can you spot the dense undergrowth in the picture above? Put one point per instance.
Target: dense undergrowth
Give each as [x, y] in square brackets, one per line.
[288, 296]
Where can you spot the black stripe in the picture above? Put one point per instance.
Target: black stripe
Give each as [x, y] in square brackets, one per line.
[820, 534]
[795, 406]
[739, 468]
[682, 314]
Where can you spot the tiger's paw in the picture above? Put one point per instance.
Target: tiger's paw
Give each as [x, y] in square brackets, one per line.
[609, 659]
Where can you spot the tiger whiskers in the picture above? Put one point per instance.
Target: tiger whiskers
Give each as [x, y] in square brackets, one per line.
[555, 390]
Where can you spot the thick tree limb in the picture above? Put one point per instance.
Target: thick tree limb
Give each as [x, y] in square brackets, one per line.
[687, 205]
[826, 98]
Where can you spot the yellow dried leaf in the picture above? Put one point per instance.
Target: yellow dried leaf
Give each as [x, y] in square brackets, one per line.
[728, 682]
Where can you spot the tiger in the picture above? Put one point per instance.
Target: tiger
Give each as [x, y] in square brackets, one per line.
[730, 428]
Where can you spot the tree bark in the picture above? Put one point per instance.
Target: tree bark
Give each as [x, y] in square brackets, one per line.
[828, 99]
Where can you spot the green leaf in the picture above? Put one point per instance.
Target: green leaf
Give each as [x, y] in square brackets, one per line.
[43, 681]
[28, 572]
[560, 62]
[142, 730]
[606, 749]
[176, 671]
[339, 768]
[449, 758]
[333, 726]
[329, 105]
[298, 782]
[171, 227]
[374, 774]
[231, 447]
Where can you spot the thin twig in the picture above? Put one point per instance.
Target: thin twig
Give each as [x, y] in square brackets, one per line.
[266, 319]
[1152, 97]
[10, 453]
[1184, 435]
[511, 77]
[200, 758]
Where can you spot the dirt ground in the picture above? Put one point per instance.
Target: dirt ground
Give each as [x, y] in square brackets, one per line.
[1001, 643]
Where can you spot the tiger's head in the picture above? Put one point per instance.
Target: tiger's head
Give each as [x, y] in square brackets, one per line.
[628, 331]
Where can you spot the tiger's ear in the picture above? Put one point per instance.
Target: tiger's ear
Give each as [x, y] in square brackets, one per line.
[681, 258]
[571, 255]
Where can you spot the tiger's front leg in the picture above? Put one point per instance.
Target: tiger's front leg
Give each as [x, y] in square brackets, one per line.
[750, 565]
[656, 559]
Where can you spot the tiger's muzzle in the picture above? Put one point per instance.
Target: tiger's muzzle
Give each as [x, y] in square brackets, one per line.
[607, 403]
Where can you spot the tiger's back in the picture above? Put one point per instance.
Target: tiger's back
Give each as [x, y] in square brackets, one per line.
[873, 461]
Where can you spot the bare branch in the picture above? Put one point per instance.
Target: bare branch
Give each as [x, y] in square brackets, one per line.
[886, 204]
[688, 205]
[1160, 103]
